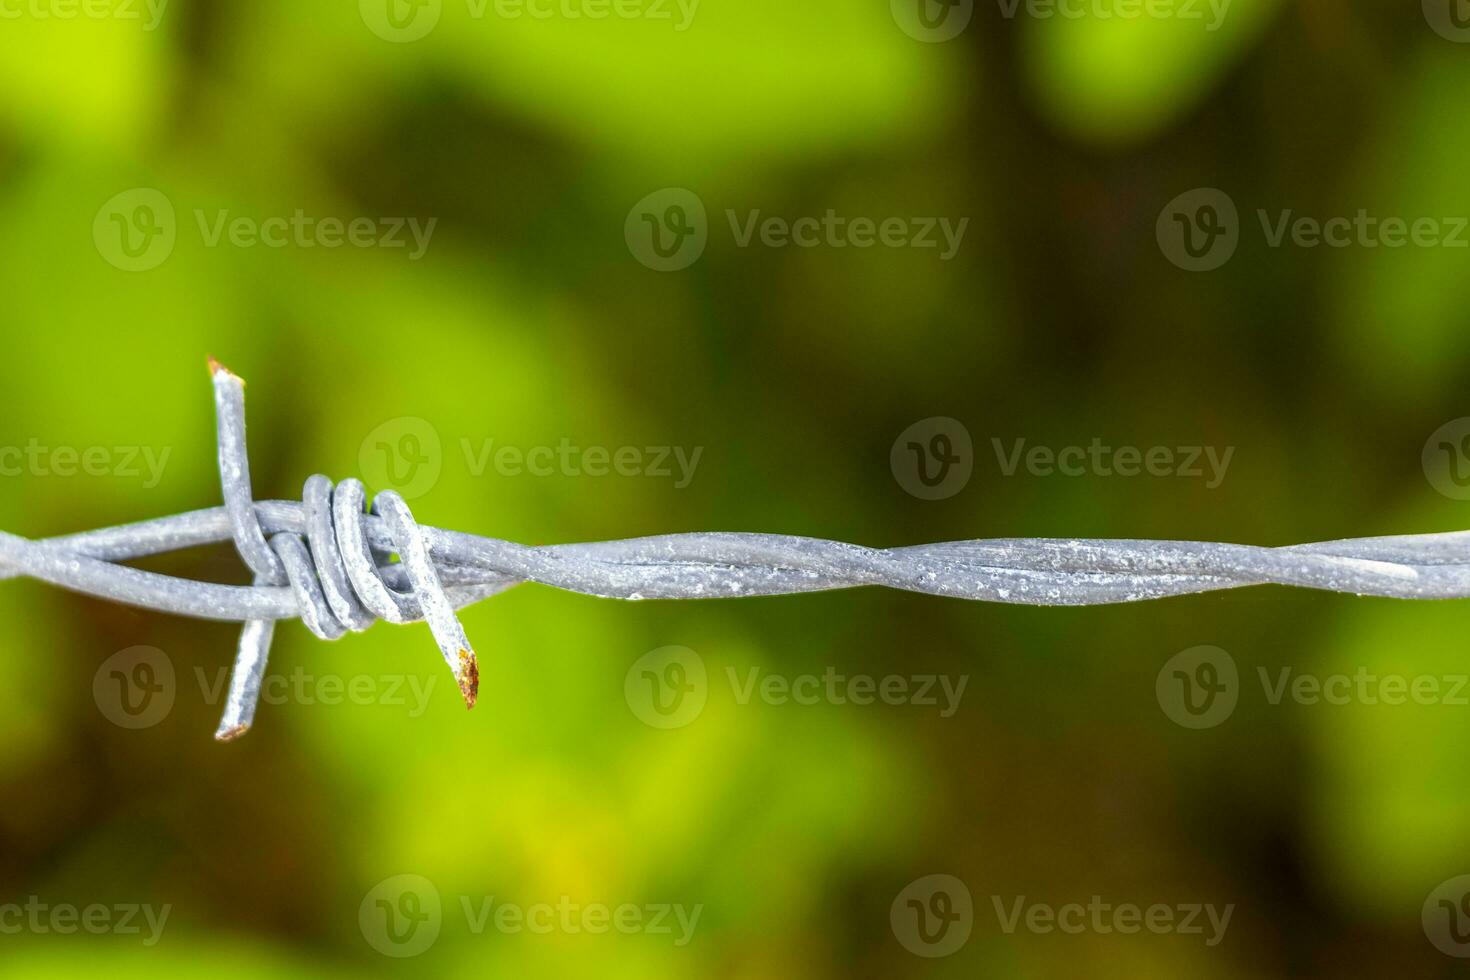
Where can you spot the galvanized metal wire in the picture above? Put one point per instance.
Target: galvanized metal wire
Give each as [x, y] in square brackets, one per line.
[327, 561]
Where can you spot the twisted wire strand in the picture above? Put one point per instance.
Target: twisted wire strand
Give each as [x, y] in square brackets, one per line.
[326, 560]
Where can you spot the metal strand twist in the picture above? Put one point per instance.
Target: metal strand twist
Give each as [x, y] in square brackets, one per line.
[327, 561]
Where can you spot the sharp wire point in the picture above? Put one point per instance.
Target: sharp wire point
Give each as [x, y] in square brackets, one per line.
[469, 677]
[230, 734]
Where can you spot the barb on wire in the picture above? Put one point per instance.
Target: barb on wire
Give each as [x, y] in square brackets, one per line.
[327, 561]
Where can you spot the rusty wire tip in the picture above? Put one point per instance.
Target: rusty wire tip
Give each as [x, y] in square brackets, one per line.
[215, 367]
[469, 677]
[231, 733]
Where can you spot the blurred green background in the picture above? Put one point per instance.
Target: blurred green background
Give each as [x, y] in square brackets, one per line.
[529, 319]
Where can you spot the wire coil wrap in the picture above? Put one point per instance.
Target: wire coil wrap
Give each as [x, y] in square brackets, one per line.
[331, 570]
[326, 560]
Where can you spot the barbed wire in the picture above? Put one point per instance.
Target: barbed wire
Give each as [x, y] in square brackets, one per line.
[327, 561]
